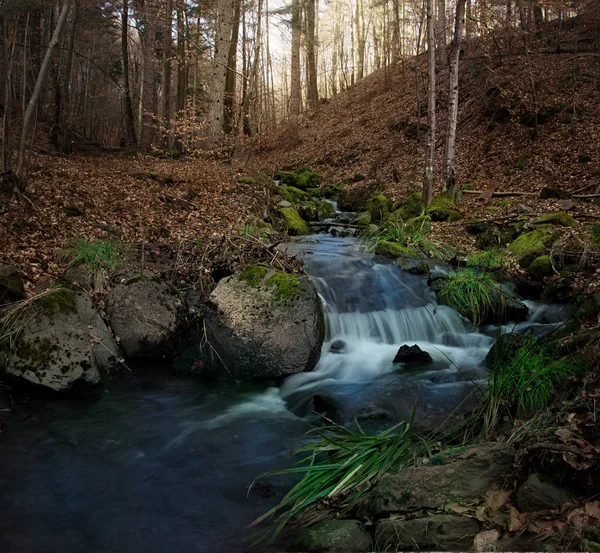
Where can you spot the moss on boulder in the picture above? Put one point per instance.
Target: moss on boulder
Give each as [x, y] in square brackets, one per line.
[363, 218]
[60, 300]
[411, 208]
[302, 179]
[393, 250]
[296, 226]
[253, 275]
[247, 180]
[541, 266]
[442, 209]
[297, 195]
[378, 207]
[560, 219]
[419, 223]
[308, 211]
[531, 245]
[325, 210]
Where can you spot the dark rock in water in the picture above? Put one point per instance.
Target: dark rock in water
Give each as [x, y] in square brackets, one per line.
[505, 349]
[447, 532]
[412, 355]
[554, 192]
[148, 317]
[264, 324]
[373, 413]
[507, 307]
[11, 285]
[327, 406]
[65, 348]
[535, 494]
[463, 478]
[527, 287]
[337, 347]
[333, 536]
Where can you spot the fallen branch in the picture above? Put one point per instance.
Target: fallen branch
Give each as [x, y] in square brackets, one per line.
[557, 448]
[586, 196]
[501, 194]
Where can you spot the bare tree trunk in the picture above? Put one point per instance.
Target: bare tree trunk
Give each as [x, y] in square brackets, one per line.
[66, 90]
[217, 94]
[360, 39]
[8, 43]
[450, 151]
[31, 106]
[230, 80]
[313, 91]
[430, 156]
[129, 118]
[182, 68]
[395, 32]
[442, 49]
[469, 23]
[149, 75]
[295, 85]
[165, 106]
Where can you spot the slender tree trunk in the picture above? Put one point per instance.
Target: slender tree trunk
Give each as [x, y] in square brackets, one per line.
[149, 75]
[66, 85]
[430, 156]
[219, 76]
[8, 43]
[295, 85]
[450, 151]
[182, 69]
[442, 48]
[32, 105]
[395, 32]
[313, 91]
[129, 117]
[469, 23]
[360, 39]
[165, 105]
[231, 81]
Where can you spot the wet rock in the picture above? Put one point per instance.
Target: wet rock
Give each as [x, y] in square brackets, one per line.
[338, 346]
[334, 536]
[11, 285]
[437, 532]
[553, 192]
[505, 349]
[541, 267]
[373, 413]
[65, 348]
[506, 307]
[419, 268]
[328, 407]
[296, 226]
[463, 479]
[412, 355]
[325, 210]
[147, 316]
[264, 324]
[536, 494]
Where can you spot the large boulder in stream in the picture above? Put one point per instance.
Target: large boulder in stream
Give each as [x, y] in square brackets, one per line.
[147, 316]
[64, 345]
[264, 324]
[412, 355]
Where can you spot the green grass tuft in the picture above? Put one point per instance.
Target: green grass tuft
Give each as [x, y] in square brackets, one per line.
[96, 255]
[413, 237]
[470, 293]
[491, 259]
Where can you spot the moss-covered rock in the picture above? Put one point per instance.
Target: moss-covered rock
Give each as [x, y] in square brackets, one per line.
[393, 250]
[552, 192]
[531, 245]
[496, 235]
[333, 536]
[308, 211]
[422, 222]
[363, 218]
[297, 195]
[253, 275]
[325, 210]
[296, 226]
[560, 219]
[411, 208]
[442, 209]
[303, 178]
[541, 267]
[58, 301]
[379, 208]
[247, 180]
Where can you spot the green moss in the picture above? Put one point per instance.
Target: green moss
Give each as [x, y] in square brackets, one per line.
[521, 164]
[37, 352]
[422, 222]
[303, 179]
[247, 180]
[468, 186]
[530, 245]
[595, 234]
[325, 210]
[296, 226]
[364, 219]
[442, 209]
[315, 192]
[390, 249]
[439, 458]
[378, 207]
[561, 219]
[541, 266]
[286, 287]
[490, 259]
[296, 195]
[253, 275]
[411, 208]
[58, 301]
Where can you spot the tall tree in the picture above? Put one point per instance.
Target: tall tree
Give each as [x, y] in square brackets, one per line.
[360, 39]
[295, 90]
[430, 156]
[165, 106]
[311, 62]
[450, 150]
[147, 22]
[33, 101]
[230, 80]
[129, 118]
[442, 49]
[219, 74]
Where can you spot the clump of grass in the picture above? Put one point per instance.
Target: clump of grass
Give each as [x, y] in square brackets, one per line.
[96, 255]
[413, 237]
[525, 385]
[338, 470]
[491, 259]
[470, 293]
[250, 230]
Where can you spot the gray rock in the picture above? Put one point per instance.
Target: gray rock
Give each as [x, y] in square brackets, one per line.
[11, 285]
[436, 532]
[265, 324]
[334, 536]
[284, 204]
[147, 316]
[338, 346]
[413, 355]
[524, 209]
[535, 494]
[65, 347]
[565, 205]
[464, 478]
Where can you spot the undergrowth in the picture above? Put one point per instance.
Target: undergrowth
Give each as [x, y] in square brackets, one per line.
[470, 293]
[491, 259]
[413, 237]
[96, 255]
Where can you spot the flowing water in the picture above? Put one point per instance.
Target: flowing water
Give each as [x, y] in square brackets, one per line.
[164, 463]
